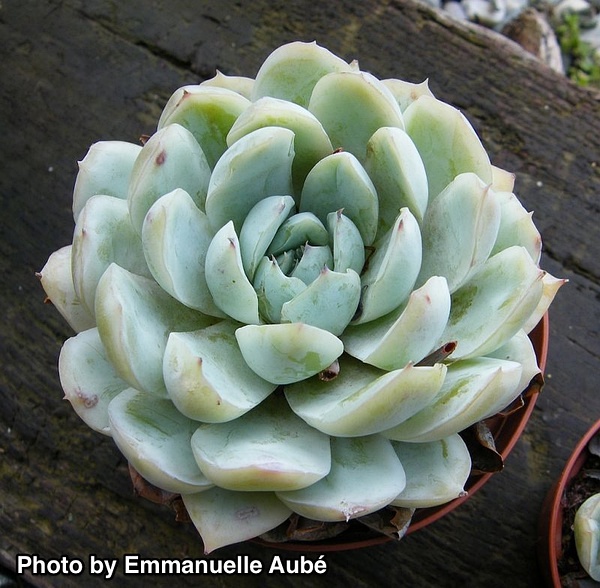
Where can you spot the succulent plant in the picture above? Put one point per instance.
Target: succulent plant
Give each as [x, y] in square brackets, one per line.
[586, 529]
[294, 295]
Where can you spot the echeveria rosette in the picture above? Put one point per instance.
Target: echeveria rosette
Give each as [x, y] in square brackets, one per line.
[259, 289]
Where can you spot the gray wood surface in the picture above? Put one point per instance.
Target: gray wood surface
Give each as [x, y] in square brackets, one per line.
[73, 72]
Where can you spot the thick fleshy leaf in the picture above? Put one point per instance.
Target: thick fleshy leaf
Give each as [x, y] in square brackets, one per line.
[351, 107]
[436, 472]
[363, 400]
[172, 158]
[587, 535]
[329, 302]
[175, 238]
[502, 180]
[259, 227]
[224, 517]
[396, 168]
[155, 438]
[550, 287]
[256, 166]
[406, 93]
[274, 289]
[407, 334]
[516, 227]
[88, 379]
[365, 475]
[57, 281]
[135, 316]
[105, 169]
[103, 235]
[346, 243]
[268, 448]
[206, 376]
[292, 70]
[208, 113]
[311, 142]
[520, 349]
[474, 389]
[298, 230]
[240, 84]
[231, 290]
[288, 352]
[311, 263]
[494, 304]
[392, 269]
[447, 143]
[340, 182]
[459, 230]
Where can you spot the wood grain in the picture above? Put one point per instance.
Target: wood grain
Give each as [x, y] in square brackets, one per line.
[74, 72]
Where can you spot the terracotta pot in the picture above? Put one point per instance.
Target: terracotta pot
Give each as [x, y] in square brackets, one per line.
[505, 428]
[550, 546]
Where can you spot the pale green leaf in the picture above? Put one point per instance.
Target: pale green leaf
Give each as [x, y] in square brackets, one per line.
[155, 438]
[268, 448]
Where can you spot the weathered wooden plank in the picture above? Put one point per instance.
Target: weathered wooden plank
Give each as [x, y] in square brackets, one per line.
[75, 72]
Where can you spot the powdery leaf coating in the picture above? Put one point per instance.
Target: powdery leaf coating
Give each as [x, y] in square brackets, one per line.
[296, 284]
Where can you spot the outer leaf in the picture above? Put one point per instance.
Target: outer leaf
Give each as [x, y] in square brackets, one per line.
[337, 182]
[311, 142]
[362, 400]
[406, 93]
[494, 304]
[392, 269]
[366, 475]
[223, 517]
[473, 390]
[155, 439]
[516, 227]
[396, 168]
[447, 143]
[57, 280]
[287, 353]
[105, 169]
[256, 166]
[207, 378]
[502, 180]
[170, 159]
[550, 287]
[88, 379]
[135, 316]
[459, 230]
[520, 349]
[208, 113]
[240, 84]
[268, 448]
[103, 235]
[175, 237]
[329, 302]
[407, 334]
[436, 472]
[352, 106]
[292, 70]
[231, 290]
